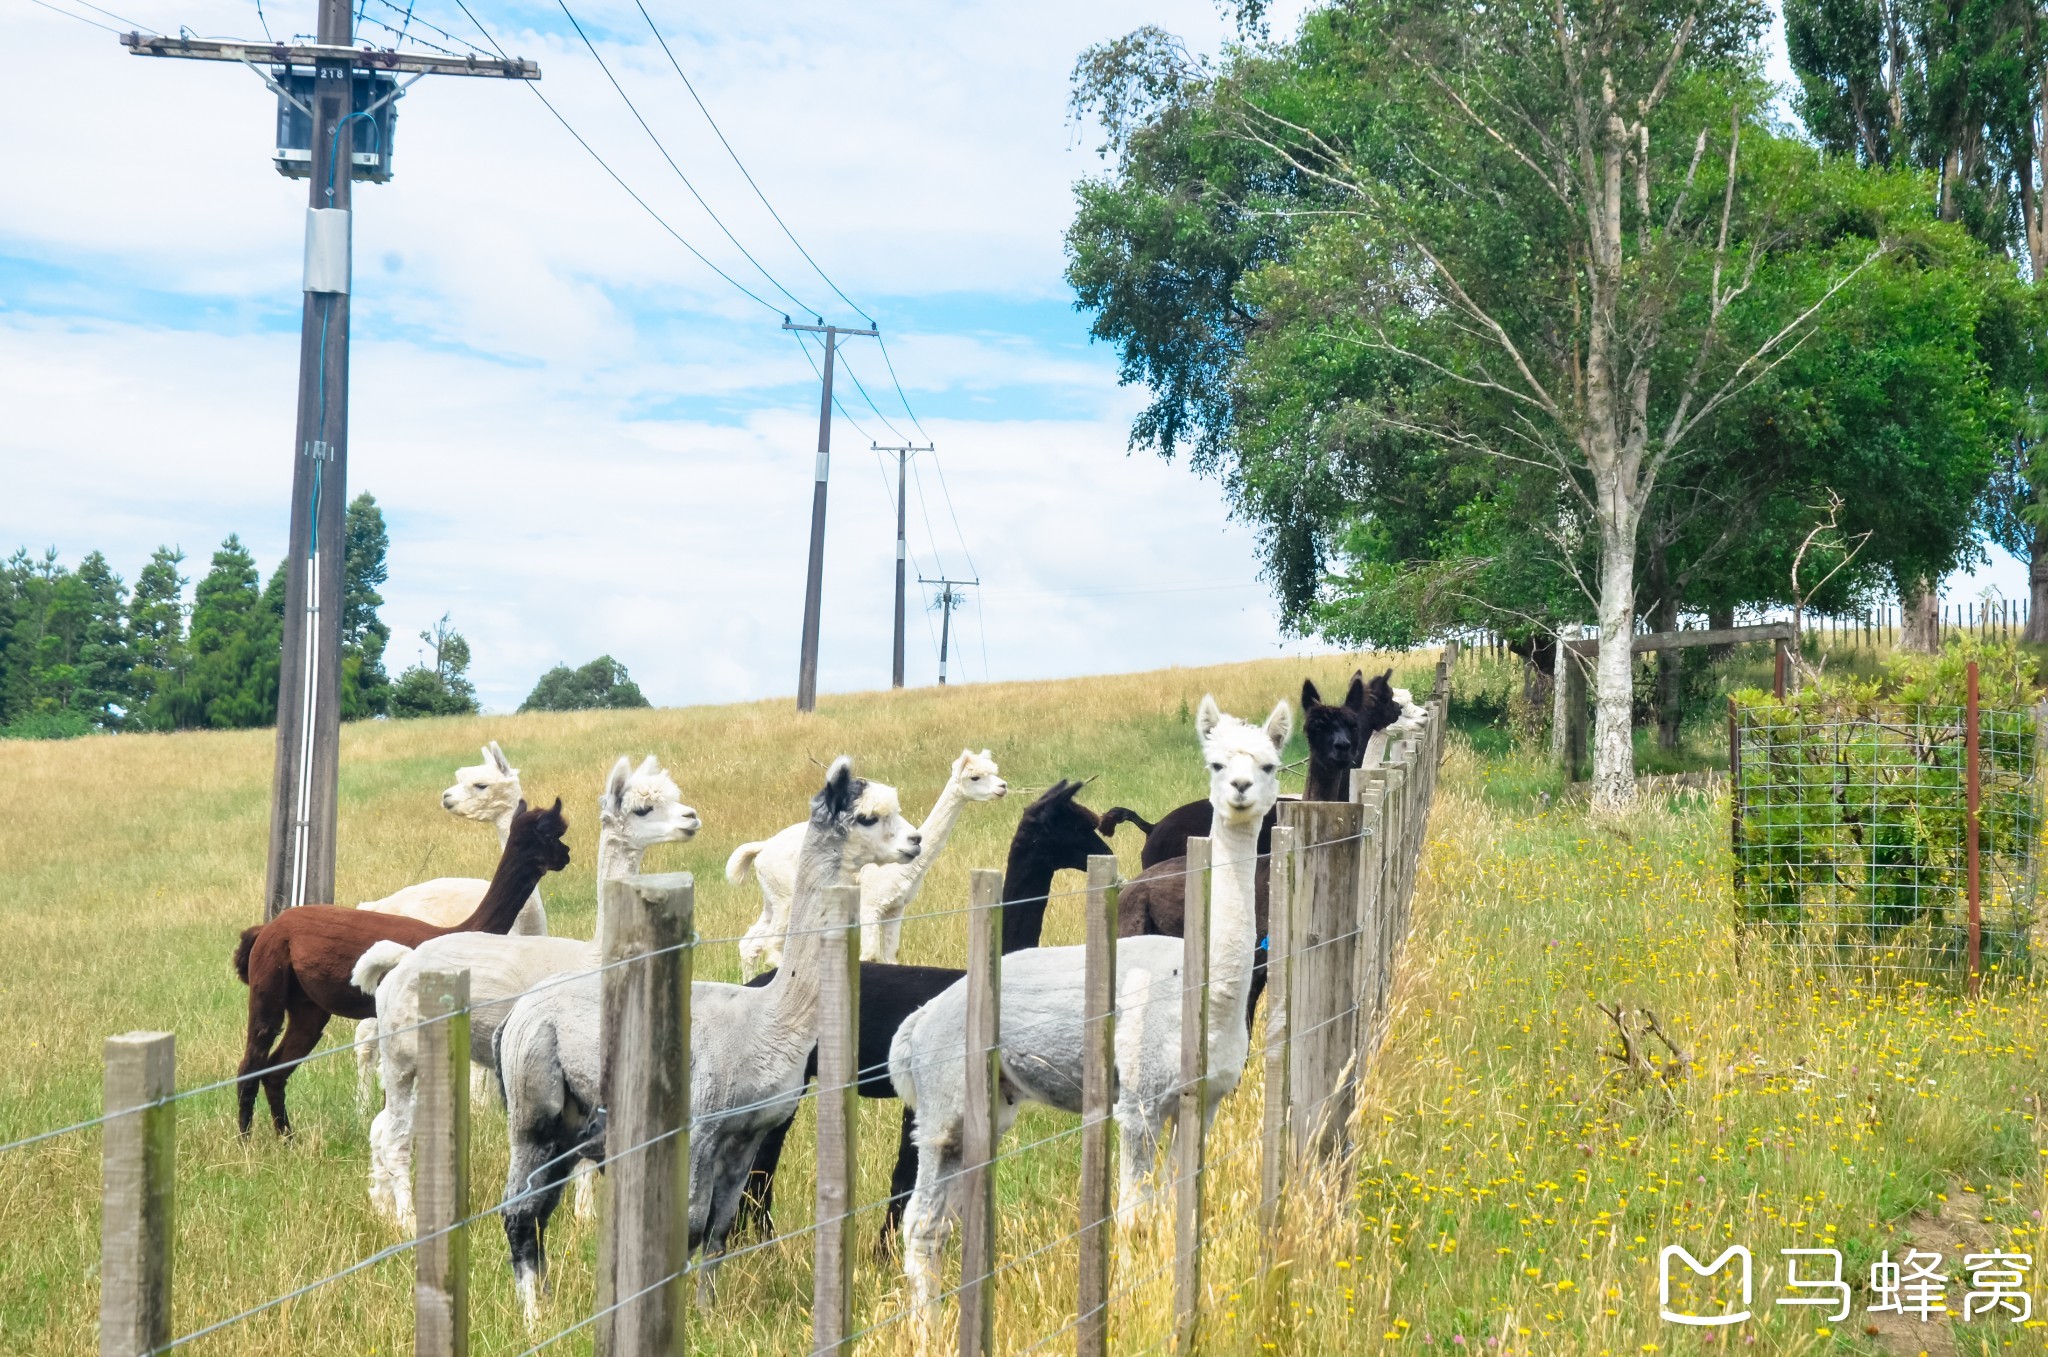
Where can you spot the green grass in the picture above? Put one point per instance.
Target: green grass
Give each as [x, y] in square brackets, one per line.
[1492, 1141]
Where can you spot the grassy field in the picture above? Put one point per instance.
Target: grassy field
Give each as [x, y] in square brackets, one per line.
[1508, 1197]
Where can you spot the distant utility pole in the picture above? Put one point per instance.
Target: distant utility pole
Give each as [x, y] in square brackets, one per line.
[814, 577]
[323, 88]
[902, 553]
[949, 599]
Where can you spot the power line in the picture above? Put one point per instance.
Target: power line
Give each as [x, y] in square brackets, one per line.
[744, 173]
[104, 28]
[645, 206]
[859, 386]
[947, 491]
[414, 19]
[715, 219]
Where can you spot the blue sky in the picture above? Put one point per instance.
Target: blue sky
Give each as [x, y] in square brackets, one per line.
[585, 441]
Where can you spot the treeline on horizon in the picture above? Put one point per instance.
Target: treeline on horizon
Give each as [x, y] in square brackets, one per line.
[81, 651]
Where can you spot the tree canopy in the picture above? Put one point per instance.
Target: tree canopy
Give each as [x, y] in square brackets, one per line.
[601, 683]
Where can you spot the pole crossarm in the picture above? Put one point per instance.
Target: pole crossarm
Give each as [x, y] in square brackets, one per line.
[310, 53]
[1676, 640]
[872, 332]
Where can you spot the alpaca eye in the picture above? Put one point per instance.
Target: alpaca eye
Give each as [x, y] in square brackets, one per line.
[865, 819]
[1267, 767]
[483, 786]
[1215, 767]
[643, 810]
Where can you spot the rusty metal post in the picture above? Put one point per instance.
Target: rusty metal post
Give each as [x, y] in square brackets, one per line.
[1778, 672]
[1973, 790]
[1735, 795]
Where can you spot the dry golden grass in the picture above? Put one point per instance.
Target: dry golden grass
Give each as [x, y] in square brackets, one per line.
[132, 862]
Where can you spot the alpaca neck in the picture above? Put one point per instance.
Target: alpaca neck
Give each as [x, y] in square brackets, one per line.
[518, 873]
[938, 826]
[1327, 781]
[616, 857]
[503, 824]
[1233, 920]
[793, 993]
[1027, 881]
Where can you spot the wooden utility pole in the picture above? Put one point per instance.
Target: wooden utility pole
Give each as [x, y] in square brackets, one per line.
[814, 575]
[902, 553]
[308, 760]
[949, 599]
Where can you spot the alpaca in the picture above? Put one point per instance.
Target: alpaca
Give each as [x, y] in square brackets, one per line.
[638, 809]
[297, 966]
[485, 793]
[747, 1049]
[1042, 1006]
[1055, 833]
[886, 889]
[1411, 718]
[1337, 738]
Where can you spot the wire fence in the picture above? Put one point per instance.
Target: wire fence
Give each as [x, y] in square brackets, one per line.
[1891, 839]
[667, 1137]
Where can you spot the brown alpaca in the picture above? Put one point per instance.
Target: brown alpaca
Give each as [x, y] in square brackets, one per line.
[298, 965]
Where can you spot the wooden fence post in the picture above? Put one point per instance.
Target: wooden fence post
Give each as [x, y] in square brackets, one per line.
[1098, 1084]
[1393, 822]
[978, 1175]
[1574, 675]
[440, 1159]
[1320, 1009]
[1188, 1125]
[1367, 982]
[838, 1119]
[1273, 1157]
[139, 1161]
[645, 1030]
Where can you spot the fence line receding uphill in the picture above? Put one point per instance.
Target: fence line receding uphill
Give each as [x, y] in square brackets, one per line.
[1342, 880]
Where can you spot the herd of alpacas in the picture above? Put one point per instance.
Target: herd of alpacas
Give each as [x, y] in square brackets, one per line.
[534, 997]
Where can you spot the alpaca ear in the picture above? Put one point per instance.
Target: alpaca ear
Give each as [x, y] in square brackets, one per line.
[1209, 716]
[839, 792]
[1280, 725]
[1355, 698]
[649, 766]
[990, 757]
[615, 785]
[496, 756]
[1310, 698]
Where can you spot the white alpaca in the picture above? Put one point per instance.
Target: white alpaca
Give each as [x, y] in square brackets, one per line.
[1410, 721]
[748, 1050]
[1042, 1026]
[639, 809]
[488, 794]
[886, 889]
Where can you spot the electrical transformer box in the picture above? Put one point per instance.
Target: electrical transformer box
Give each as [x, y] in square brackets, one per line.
[375, 94]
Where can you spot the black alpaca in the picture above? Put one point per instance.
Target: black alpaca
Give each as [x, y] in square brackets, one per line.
[1056, 833]
[1337, 735]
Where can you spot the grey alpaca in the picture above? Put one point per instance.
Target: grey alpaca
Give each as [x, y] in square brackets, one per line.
[748, 1048]
[1041, 1013]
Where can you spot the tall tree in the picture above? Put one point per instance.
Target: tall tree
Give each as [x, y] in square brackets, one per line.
[156, 638]
[86, 659]
[232, 679]
[603, 683]
[365, 688]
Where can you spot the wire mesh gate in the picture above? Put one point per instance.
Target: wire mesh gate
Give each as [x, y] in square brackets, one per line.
[1895, 839]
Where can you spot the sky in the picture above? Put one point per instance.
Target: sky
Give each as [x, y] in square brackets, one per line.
[585, 441]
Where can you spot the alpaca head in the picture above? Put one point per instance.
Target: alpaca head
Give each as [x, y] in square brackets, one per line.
[864, 817]
[487, 792]
[643, 806]
[1382, 702]
[1244, 761]
[1336, 733]
[1059, 833]
[977, 776]
[537, 834]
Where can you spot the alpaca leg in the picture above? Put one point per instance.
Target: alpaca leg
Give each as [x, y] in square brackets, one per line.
[399, 1104]
[533, 1186]
[366, 1065]
[902, 1182]
[304, 1025]
[583, 1200]
[1137, 1155]
[483, 1088]
[757, 1200]
[928, 1219]
[266, 1017]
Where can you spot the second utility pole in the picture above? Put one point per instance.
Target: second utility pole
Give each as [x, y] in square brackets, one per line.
[814, 576]
[902, 553]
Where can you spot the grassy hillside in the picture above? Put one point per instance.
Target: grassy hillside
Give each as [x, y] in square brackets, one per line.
[132, 862]
[1510, 1195]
